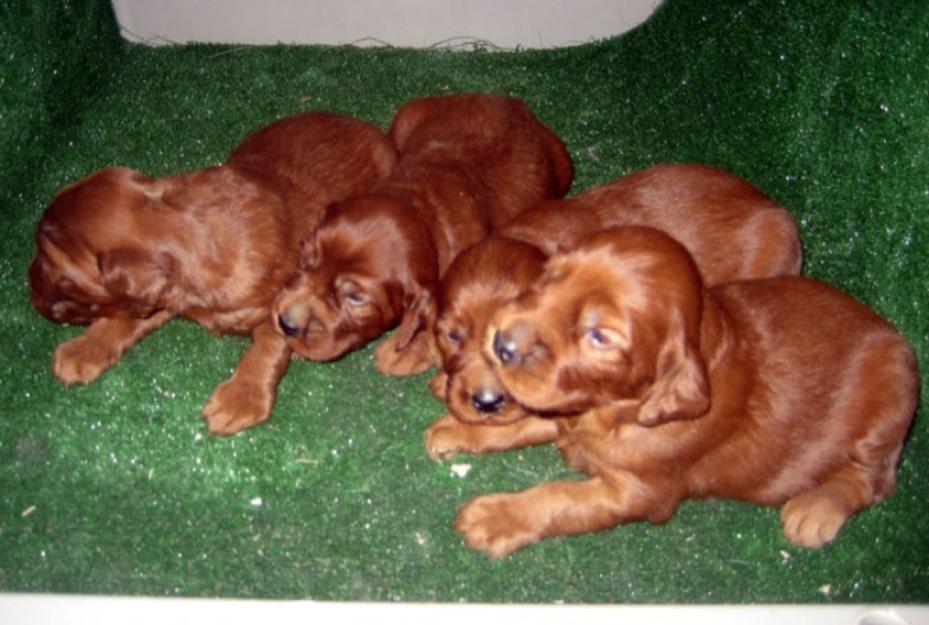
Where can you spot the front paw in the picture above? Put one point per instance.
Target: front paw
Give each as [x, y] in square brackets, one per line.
[411, 360]
[438, 385]
[237, 406]
[496, 525]
[811, 520]
[81, 361]
[445, 438]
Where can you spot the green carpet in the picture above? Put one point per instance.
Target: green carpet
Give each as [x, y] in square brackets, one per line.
[115, 488]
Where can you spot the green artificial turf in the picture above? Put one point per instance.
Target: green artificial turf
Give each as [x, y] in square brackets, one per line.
[116, 488]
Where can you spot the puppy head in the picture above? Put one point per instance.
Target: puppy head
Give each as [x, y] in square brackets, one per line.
[479, 281]
[92, 260]
[369, 266]
[617, 319]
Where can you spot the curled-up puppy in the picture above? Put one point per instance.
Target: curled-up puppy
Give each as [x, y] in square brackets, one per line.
[125, 253]
[468, 163]
[731, 228]
[781, 391]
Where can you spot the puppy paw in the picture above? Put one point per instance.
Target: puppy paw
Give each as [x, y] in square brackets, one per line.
[812, 520]
[81, 361]
[445, 438]
[496, 525]
[237, 406]
[411, 360]
[438, 385]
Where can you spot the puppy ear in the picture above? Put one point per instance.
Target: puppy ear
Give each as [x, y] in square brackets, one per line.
[420, 315]
[139, 278]
[411, 349]
[681, 389]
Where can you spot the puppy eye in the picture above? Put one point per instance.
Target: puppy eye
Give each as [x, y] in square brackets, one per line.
[453, 337]
[357, 299]
[602, 338]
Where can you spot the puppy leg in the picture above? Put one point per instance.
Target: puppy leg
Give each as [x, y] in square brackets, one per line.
[414, 358]
[246, 399]
[439, 385]
[448, 436]
[502, 523]
[813, 518]
[82, 359]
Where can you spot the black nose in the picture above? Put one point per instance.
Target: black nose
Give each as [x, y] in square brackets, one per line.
[487, 401]
[288, 327]
[505, 348]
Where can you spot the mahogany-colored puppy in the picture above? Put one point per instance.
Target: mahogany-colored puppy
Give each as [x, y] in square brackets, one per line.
[125, 253]
[468, 164]
[731, 228]
[781, 391]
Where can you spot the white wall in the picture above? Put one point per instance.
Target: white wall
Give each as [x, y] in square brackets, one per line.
[409, 23]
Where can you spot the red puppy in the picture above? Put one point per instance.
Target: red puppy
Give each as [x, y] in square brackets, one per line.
[781, 391]
[125, 254]
[468, 163]
[732, 229]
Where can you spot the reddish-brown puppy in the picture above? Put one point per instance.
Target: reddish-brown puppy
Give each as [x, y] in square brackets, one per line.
[125, 254]
[732, 229]
[775, 391]
[468, 164]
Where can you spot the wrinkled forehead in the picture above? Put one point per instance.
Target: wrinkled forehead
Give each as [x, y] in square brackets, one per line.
[472, 309]
[359, 245]
[594, 279]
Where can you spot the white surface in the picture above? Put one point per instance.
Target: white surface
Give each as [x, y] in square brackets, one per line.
[409, 23]
[16, 609]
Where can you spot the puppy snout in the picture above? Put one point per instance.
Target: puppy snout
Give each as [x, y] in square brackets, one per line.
[289, 326]
[293, 317]
[488, 401]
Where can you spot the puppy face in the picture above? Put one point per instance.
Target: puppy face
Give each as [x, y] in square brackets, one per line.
[89, 264]
[618, 319]
[65, 287]
[480, 280]
[369, 266]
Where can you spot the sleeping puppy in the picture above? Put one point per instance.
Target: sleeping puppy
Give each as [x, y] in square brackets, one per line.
[732, 229]
[781, 391]
[468, 164]
[124, 253]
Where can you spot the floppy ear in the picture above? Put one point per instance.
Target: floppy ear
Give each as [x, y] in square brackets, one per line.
[411, 349]
[420, 315]
[681, 389]
[139, 278]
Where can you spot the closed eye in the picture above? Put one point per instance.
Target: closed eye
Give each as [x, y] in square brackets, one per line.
[357, 299]
[351, 293]
[452, 335]
[601, 338]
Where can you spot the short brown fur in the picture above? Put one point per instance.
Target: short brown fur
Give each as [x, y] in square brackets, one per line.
[468, 164]
[779, 391]
[732, 229]
[125, 253]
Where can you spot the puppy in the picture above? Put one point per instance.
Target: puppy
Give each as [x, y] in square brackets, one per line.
[780, 391]
[732, 229]
[125, 253]
[468, 164]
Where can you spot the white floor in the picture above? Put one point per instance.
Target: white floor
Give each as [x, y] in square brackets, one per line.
[16, 609]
